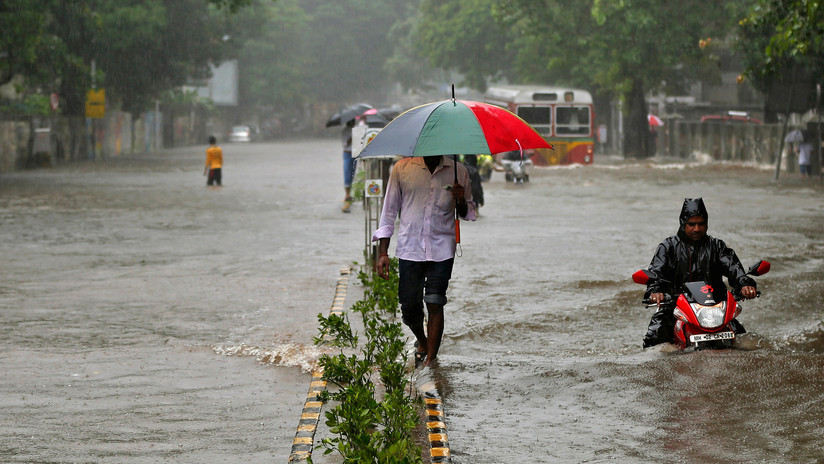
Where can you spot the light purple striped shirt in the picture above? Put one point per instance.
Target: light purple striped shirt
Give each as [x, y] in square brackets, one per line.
[427, 211]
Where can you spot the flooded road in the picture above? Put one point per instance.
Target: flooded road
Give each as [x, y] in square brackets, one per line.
[543, 359]
[124, 283]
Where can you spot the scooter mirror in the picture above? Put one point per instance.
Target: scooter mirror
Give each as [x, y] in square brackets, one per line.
[641, 277]
[760, 268]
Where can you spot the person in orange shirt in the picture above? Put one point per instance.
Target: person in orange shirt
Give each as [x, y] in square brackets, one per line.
[214, 162]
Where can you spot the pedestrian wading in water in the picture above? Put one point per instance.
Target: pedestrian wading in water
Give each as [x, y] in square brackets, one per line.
[214, 162]
[421, 191]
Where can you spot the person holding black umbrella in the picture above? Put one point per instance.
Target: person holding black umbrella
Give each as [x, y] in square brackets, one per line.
[423, 191]
[805, 151]
[349, 164]
[346, 118]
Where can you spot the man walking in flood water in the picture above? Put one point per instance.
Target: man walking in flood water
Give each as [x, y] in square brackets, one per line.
[691, 255]
[421, 190]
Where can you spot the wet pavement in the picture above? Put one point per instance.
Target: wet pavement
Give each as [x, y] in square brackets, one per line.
[147, 318]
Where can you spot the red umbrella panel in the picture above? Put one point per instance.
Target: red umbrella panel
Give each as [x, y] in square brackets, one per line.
[654, 120]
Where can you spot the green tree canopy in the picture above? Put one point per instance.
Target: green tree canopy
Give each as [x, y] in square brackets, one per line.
[613, 47]
[346, 45]
[779, 36]
[139, 48]
[322, 51]
[465, 36]
[272, 63]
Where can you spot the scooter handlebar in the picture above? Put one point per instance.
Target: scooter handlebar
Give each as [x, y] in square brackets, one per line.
[738, 296]
[650, 303]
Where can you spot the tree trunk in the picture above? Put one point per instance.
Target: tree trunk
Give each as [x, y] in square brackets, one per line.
[636, 141]
[77, 144]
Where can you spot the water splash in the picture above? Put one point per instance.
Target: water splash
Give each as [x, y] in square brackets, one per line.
[809, 341]
[286, 355]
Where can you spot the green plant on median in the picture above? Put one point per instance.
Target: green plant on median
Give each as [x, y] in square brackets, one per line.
[373, 421]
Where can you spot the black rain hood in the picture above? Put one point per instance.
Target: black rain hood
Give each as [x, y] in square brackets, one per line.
[678, 260]
[692, 207]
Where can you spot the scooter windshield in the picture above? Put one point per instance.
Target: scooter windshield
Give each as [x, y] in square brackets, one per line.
[703, 293]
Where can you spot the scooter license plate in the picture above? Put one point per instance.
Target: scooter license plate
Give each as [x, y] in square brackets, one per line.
[712, 336]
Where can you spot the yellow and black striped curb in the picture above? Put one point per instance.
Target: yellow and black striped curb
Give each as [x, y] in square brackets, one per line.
[435, 422]
[309, 418]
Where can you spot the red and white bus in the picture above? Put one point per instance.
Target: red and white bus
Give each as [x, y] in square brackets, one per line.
[564, 116]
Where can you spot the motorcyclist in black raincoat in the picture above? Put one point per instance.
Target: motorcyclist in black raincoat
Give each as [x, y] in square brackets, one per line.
[691, 255]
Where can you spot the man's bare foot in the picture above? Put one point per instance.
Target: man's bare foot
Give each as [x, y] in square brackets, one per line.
[420, 354]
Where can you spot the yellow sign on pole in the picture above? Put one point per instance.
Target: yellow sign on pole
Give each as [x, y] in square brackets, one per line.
[96, 103]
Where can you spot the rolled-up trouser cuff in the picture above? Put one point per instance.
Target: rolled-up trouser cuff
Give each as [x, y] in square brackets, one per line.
[435, 299]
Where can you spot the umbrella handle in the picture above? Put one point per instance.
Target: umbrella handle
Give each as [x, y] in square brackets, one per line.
[457, 220]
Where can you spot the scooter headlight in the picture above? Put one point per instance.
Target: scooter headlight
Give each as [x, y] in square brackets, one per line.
[710, 317]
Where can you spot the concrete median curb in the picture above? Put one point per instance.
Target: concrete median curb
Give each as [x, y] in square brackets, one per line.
[310, 417]
[303, 443]
[435, 420]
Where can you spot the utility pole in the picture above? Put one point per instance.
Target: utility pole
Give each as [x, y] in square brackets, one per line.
[818, 126]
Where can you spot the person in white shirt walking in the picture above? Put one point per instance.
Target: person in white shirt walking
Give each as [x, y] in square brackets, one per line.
[805, 150]
[423, 191]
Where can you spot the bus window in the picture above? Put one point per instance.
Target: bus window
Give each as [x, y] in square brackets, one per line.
[539, 117]
[563, 116]
[572, 120]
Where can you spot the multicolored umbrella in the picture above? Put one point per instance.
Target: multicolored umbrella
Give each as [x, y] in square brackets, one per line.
[654, 120]
[454, 127]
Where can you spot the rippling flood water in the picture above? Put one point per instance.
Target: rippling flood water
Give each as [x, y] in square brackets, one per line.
[126, 285]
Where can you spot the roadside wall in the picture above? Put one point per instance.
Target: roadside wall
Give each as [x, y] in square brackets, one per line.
[756, 143]
[33, 142]
[14, 138]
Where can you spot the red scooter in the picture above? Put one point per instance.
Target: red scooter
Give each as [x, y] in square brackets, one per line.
[700, 320]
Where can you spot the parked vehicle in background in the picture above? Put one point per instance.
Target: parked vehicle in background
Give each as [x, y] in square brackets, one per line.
[244, 133]
[564, 116]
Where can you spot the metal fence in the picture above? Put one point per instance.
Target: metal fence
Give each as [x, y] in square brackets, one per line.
[746, 142]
